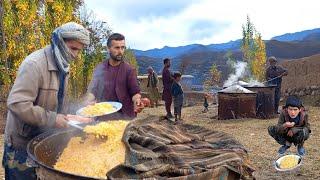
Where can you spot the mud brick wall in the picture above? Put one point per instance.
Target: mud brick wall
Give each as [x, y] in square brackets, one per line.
[303, 76]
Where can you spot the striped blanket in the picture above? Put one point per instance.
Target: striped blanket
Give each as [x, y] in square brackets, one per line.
[159, 149]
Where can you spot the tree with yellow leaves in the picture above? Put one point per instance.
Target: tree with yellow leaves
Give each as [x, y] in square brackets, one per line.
[253, 49]
[259, 63]
[213, 78]
[26, 25]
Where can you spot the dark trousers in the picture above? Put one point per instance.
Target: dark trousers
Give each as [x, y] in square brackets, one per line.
[177, 104]
[281, 137]
[167, 98]
[14, 164]
[168, 106]
[177, 110]
[277, 96]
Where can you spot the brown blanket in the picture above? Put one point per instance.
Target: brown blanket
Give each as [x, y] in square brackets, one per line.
[160, 149]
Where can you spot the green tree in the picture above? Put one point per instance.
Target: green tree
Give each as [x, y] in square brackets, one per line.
[214, 77]
[92, 54]
[131, 58]
[185, 63]
[253, 49]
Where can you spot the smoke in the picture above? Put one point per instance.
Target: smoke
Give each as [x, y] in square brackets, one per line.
[254, 82]
[240, 68]
[97, 87]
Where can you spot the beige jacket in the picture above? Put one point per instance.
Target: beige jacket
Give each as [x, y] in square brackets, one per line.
[33, 100]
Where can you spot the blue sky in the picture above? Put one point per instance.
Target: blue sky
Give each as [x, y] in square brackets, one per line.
[151, 24]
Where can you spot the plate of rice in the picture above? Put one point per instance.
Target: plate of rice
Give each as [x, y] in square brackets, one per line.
[288, 162]
[99, 109]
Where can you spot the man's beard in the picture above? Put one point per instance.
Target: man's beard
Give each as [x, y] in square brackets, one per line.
[116, 58]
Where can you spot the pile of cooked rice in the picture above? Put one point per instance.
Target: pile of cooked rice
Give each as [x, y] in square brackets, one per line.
[288, 162]
[93, 156]
[97, 109]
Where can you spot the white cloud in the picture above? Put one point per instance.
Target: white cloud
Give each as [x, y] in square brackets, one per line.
[154, 24]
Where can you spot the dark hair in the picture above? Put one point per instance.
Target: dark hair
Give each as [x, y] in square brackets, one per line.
[166, 60]
[115, 36]
[293, 101]
[177, 74]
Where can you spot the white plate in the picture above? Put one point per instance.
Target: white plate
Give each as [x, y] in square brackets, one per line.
[116, 107]
[277, 163]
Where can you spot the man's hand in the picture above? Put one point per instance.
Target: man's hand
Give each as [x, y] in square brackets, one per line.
[290, 133]
[79, 118]
[137, 104]
[89, 99]
[146, 102]
[288, 124]
[61, 121]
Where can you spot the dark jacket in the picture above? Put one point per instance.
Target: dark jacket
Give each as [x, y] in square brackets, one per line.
[166, 79]
[303, 123]
[126, 86]
[272, 74]
[176, 89]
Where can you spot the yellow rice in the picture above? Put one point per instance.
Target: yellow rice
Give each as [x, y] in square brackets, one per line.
[92, 156]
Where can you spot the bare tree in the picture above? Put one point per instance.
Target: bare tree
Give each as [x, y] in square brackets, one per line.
[184, 64]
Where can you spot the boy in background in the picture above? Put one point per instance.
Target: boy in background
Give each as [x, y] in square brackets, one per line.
[177, 93]
[205, 103]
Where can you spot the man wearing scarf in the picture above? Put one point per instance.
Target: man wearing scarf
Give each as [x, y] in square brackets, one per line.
[36, 102]
[116, 80]
[153, 86]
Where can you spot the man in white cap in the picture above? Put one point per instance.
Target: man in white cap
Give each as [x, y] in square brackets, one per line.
[153, 87]
[36, 102]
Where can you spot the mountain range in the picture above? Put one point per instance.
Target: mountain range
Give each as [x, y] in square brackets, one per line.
[197, 59]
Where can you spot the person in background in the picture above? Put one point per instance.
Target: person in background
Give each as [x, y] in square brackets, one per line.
[153, 87]
[116, 80]
[293, 126]
[37, 100]
[167, 84]
[177, 93]
[274, 74]
[205, 103]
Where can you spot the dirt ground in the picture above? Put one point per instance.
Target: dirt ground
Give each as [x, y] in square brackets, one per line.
[252, 133]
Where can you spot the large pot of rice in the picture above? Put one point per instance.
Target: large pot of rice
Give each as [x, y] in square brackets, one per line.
[147, 148]
[73, 154]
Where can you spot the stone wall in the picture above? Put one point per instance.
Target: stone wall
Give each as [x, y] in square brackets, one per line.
[192, 98]
[303, 76]
[186, 82]
[304, 91]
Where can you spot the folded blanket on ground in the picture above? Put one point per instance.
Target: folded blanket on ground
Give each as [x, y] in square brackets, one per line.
[160, 149]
